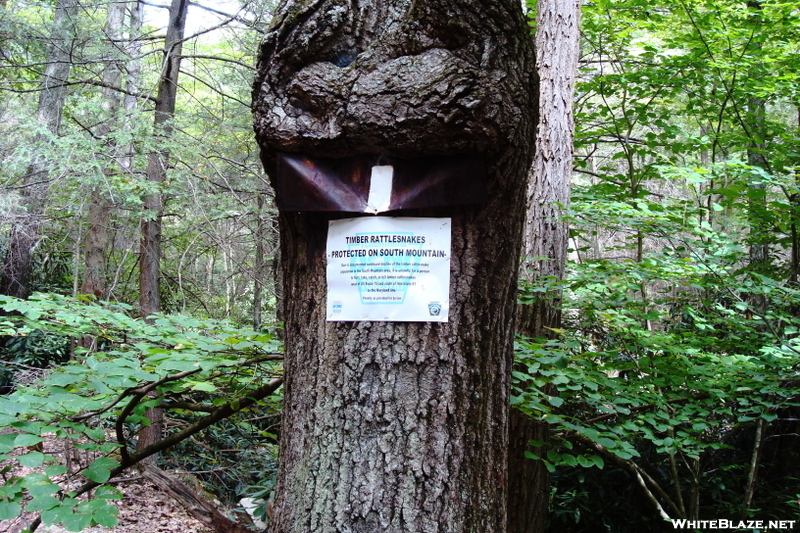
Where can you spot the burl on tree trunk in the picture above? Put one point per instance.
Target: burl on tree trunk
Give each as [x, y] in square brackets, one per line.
[399, 426]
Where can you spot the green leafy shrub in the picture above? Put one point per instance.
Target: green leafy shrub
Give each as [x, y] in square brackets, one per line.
[680, 368]
[38, 349]
[202, 371]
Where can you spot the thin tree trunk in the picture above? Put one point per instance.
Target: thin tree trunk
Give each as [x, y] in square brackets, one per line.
[400, 426]
[260, 263]
[756, 156]
[150, 246]
[759, 251]
[96, 241]
[96, 245]
[794, 200]
[545, 240]
[755, 459]
[24, 237]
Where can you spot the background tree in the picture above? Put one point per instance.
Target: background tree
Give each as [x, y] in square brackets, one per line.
[101, 154]
[545, 239]
[661, 288]
[217, 275]
[25, 231]
[388, 425]
[157, 162]
[115, 77]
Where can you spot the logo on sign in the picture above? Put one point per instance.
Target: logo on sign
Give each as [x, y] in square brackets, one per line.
[337, 307]
[434, 308]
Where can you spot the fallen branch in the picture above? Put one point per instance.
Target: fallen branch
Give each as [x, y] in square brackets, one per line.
[200, 508]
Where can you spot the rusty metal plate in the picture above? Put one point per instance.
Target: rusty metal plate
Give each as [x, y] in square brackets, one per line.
[375, 184]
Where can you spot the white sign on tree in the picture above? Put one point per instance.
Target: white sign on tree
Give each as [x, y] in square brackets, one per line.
[389, 269]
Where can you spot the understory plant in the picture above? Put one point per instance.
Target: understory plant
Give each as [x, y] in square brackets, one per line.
[676, 372]
[200, 372]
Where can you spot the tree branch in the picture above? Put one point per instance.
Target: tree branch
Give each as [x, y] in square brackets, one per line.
[214, 89]
[222, 59]
[133, 390]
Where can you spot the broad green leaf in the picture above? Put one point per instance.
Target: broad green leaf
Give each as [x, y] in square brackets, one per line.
[42, 503]
[204, 386]
[11, 489]
[531, 455]
[77, 522]
[56, 515]
[31, 460]
[99, 470]
[26, 439]
[9, 510]
[108, 493]
[7, 442]
[606, 443]
[106, 517]
[43, 489]
[35, 478]
[555, 401]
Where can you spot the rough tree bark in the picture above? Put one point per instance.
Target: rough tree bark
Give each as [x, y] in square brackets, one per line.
[545, 238]
[400, 426]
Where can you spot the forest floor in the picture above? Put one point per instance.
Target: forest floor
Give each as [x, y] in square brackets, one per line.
[144, 508]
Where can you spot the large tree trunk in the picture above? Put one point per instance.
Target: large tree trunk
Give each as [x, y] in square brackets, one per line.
[545, 239]
[400, 426]
[24, 237]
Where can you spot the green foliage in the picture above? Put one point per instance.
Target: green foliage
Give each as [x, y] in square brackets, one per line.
[214, 217]
[660, 388]
[678, 357]
[35, 350]
[98, 399]
[235, 458]
[674, 77]
[664, 358]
